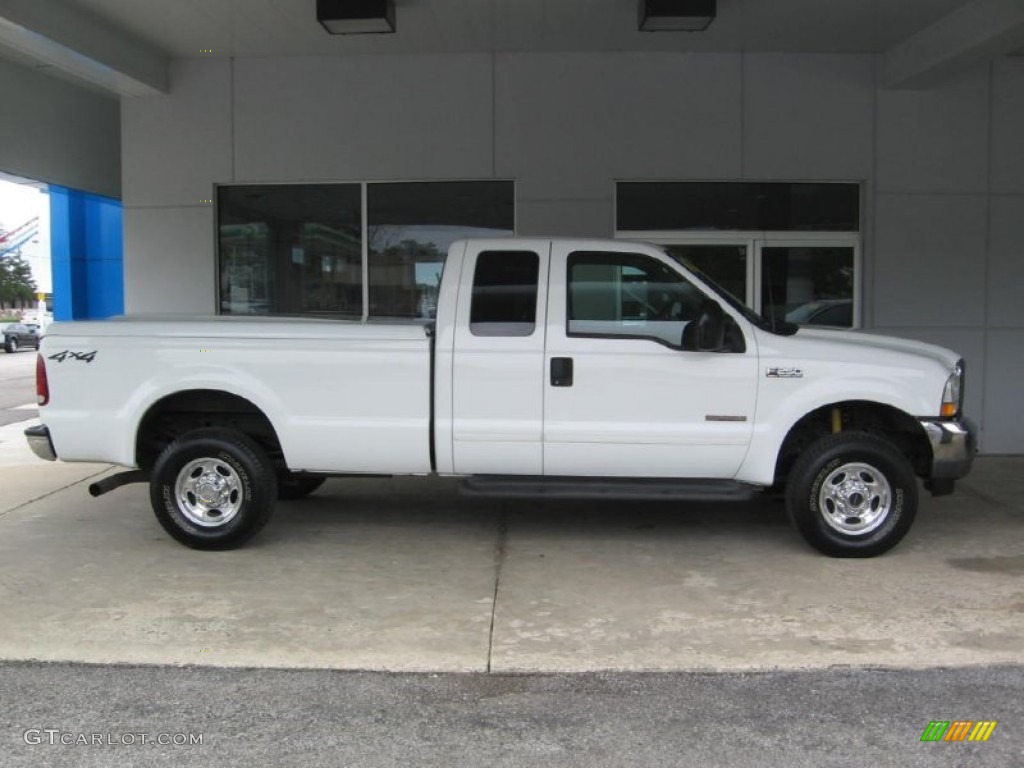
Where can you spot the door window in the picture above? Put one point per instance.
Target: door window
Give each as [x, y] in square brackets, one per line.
[629, 295]
[504, 294]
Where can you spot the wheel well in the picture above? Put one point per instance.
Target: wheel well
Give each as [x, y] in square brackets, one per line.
[183, 412]
[891, 423]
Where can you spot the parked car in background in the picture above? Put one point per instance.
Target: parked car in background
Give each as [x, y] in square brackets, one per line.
[833, 313]
[21, 336]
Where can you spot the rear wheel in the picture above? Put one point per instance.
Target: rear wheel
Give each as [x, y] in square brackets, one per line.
[11, 345]
[213, 489]
[852, 494]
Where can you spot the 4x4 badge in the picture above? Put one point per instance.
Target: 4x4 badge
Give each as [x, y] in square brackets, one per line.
[85, 357]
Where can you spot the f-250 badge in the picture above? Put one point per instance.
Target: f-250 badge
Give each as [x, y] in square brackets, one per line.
[785, 373]
[67, 354]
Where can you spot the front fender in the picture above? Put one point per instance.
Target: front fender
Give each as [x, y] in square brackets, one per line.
[778, 411]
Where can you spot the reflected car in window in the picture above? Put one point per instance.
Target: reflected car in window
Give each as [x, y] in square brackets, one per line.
[834, 313]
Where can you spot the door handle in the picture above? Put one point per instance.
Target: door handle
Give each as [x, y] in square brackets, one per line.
[561, 371]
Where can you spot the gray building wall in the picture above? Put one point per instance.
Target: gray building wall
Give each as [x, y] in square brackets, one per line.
[57, 132]
[943, 169]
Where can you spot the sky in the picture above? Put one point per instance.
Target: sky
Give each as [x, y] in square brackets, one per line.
[18, 204]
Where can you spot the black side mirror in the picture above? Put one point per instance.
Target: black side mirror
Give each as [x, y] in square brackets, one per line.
[710, 328]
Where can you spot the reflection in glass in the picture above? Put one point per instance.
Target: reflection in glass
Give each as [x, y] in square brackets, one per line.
[624, 294]
[808, 285]
[411, 225]
[725, 264]
[290, 249]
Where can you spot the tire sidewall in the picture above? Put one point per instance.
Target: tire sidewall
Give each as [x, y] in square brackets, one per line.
[257, 481]
[814, 467]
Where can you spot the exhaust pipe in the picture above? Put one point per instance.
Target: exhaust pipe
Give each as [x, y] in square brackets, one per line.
[107, 484]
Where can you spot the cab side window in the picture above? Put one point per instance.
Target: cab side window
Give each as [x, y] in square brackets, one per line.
[629, 295]
[504, 294]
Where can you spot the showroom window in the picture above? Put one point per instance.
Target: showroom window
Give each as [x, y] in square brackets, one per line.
[372, 249]
[290, 249]
[789, 250]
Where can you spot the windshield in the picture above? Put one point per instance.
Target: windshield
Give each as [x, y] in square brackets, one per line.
[781, 327]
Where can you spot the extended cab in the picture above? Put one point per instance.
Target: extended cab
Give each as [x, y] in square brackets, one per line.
[553, 367]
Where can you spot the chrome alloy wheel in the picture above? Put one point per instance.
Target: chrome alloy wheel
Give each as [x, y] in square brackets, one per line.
[209, 492]
[855, 499]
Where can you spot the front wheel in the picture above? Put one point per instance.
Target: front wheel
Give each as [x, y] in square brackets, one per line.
[213, 489]
[11, 345]
[852, 494]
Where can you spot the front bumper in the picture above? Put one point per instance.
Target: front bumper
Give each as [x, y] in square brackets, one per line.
[39, 441]
[954, 444]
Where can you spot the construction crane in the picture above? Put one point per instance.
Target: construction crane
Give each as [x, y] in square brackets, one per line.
[13, 240]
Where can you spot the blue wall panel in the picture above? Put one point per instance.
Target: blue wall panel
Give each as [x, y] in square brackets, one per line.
[87, 243]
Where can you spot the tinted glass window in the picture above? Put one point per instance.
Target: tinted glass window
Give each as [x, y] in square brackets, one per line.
[290, 249]
[624, 294]
[808, 285]
[504, 294]
[409, 228]
[750, 206]
[725, 264]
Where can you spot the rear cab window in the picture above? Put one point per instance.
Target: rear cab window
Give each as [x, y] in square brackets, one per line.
[504, 299]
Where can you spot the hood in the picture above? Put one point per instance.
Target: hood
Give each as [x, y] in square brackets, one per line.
[859, 345]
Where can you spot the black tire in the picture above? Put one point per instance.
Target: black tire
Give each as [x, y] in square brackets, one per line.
[861, 470]
[11, 345]
[234, 473]
[293, 486]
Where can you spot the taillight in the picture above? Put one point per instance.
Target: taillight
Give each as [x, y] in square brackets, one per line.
[42, 385]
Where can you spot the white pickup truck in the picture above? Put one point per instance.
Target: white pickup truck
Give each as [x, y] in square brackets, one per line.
[593, 368]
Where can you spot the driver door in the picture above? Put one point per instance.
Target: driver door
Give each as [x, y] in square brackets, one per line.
[622, 398]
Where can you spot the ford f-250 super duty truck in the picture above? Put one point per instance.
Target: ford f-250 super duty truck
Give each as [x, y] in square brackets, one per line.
[553, 367]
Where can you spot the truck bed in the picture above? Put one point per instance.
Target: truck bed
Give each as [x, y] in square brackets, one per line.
[315, 379]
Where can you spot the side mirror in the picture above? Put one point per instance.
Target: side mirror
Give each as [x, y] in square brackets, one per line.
[710, 328]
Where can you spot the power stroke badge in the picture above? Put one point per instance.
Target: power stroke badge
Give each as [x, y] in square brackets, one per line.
[784, 373]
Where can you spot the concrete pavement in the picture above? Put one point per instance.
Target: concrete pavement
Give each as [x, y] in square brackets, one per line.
[407, 575]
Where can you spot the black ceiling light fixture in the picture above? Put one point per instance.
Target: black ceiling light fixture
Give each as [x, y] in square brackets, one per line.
[676, 15]
[356, 17]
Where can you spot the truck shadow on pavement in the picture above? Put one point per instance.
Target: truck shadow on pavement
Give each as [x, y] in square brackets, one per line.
[341, 505]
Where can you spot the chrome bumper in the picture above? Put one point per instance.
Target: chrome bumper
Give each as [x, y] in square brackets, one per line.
[954, 444]
[39, 441]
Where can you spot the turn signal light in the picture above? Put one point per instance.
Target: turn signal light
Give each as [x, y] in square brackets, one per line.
[42, 385]
[948, 410]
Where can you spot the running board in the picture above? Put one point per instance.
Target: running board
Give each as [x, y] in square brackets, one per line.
[648, 489]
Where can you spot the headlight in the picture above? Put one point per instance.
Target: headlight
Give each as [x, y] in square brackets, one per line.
[953, 392]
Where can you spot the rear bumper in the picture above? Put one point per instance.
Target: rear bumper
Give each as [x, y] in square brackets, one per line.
[954, 444]
[39, 441]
